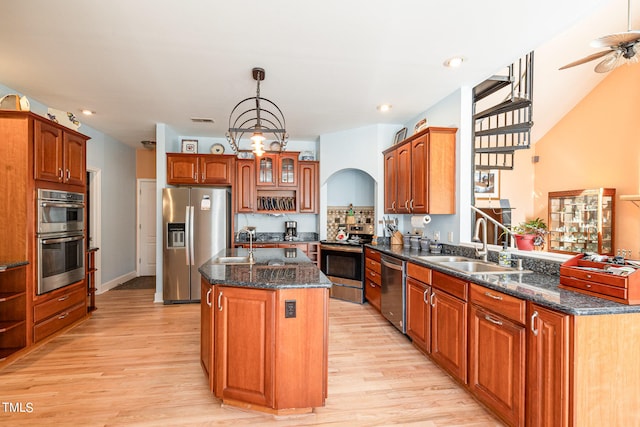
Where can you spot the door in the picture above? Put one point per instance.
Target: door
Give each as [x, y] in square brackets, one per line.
[210, 230]
[216, 169]
[449, 333]
[74, 159]
[419, 314]
[47, 152]
[146, 227]
[419, 175]
[390, 182]
[182, 168]
[245, 186]
[175, 280]
[403, 191]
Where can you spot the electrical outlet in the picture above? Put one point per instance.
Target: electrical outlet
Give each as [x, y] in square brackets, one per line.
[436, 235]
[450, 237]
[289, 309]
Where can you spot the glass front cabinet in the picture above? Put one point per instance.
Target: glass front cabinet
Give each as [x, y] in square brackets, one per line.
[582, 221]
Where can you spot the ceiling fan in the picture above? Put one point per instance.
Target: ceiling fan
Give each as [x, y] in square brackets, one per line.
[622, 48]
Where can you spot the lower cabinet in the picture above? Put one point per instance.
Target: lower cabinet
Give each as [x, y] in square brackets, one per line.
[418, 306]
[372, 277]
[449, 324]
[58, 309]
[497, 353]
[257, 358]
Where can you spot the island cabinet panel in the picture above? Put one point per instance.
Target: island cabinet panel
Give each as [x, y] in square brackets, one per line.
[449, 324]
[548, 375]
[497, 363]
[207, 332]
[244, 345]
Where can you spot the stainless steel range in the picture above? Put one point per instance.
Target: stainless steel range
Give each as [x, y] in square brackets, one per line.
[343, 262]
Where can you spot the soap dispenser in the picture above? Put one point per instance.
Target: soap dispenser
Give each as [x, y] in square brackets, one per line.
[504, 257]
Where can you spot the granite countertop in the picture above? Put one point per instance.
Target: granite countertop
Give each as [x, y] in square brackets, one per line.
[275, 268]
[536, 287]
[6, 265]
[273, 237]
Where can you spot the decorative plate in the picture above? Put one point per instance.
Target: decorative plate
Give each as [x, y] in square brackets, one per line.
[217, 149]
[274, 146]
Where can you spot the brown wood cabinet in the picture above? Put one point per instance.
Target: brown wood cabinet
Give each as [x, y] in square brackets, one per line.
[59, 309]
[200, 169]
[372, 277]
[497, 349]
[257, 358]
[420, 173]
[548, 368]
[419, 313]
[308, 197]
[449, 324]
[244, 189]
[13, 306]
[60, 155]
[277, 169]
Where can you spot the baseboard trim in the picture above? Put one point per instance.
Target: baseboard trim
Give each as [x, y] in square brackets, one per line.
[106, 286]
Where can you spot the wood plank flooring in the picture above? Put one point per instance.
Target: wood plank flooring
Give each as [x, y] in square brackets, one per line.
[137, 363]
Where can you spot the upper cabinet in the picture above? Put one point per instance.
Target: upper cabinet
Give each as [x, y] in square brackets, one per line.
[420, 173]
[277, 170]
[309, 187]
[60, 155]
[200, 169]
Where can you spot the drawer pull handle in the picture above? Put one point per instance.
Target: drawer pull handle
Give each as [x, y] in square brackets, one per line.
[63, 298]
[533, 321]
[490, 295]
[492, 320]
[63, 315]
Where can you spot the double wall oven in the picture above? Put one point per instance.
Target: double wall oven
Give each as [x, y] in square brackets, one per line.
[60, 239]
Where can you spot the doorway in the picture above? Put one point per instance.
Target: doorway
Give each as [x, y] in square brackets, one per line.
[146, 236]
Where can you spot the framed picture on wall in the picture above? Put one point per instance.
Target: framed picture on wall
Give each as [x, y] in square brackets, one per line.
[189, 146]
[486, 184]
[400, 135]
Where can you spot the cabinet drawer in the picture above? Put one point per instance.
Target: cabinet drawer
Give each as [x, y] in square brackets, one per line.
[57, 304]
[510, 307]
[373, 276]
[55, 323]
[598, 288]
[370, 253]
[607, 279]
[372, 292]
[419, 272]
[449, 284]
[373, 265]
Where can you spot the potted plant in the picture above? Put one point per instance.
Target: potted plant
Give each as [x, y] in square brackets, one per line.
[530, 234]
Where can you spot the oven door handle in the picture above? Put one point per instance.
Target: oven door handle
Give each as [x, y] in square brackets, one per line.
[62, 240]
[61, 205]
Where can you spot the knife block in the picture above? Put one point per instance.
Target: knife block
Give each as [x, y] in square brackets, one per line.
[396, 238]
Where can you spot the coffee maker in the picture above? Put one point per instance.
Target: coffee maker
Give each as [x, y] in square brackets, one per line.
[291, 230]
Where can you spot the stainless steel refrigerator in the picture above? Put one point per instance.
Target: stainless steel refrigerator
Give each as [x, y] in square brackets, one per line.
[196, 225]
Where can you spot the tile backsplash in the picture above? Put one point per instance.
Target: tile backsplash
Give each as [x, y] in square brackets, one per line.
[337, 217]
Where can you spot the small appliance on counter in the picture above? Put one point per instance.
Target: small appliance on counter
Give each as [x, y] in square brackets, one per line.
[291, 230]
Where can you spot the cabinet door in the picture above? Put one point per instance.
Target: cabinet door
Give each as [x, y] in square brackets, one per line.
[309, 188]
[288, 170]
[419, 314]
[206, 331]
[244, 189]
[245, 324]
[441, 190]
[497, 363]
[267, 172]
[182, 169]
[75, 170]
[372, 293]
[48, 152]
[419, 175]
[547, 368]
[390, 182]
[403, 189]
[216, 169]
[449, 333]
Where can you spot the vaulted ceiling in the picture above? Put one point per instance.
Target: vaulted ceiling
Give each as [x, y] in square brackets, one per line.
[328, 64]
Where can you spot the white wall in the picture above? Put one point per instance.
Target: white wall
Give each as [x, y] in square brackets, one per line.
[351, 186]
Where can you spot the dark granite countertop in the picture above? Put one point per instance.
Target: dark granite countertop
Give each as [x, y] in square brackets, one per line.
[273, 237]
[536, 287]
[6, 265]
[275, 268]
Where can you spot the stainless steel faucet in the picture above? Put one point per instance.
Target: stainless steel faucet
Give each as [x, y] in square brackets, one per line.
[476, 238]
[250, 230]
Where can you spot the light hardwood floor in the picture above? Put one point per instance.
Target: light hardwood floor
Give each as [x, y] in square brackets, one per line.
[137, 363]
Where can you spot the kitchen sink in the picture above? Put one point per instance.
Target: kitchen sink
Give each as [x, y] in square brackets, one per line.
[436, 258]
[232, 260]
[481, 267]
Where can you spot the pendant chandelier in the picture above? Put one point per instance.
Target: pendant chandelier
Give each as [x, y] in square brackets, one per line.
[256, 116]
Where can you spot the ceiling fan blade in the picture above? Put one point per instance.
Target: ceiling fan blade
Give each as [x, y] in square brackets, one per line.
[616, 39]
[587, 59]
[610, 62]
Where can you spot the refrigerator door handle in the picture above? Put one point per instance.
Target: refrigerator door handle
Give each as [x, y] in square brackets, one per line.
[187, 236]
[192, 252]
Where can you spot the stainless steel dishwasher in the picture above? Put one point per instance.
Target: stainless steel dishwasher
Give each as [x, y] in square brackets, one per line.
[392, 303]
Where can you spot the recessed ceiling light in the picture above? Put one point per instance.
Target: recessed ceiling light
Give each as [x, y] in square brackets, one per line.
[384, 107]
[88, 112]
[454, 62]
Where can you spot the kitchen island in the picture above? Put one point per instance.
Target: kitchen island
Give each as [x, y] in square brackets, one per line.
[264, 330]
